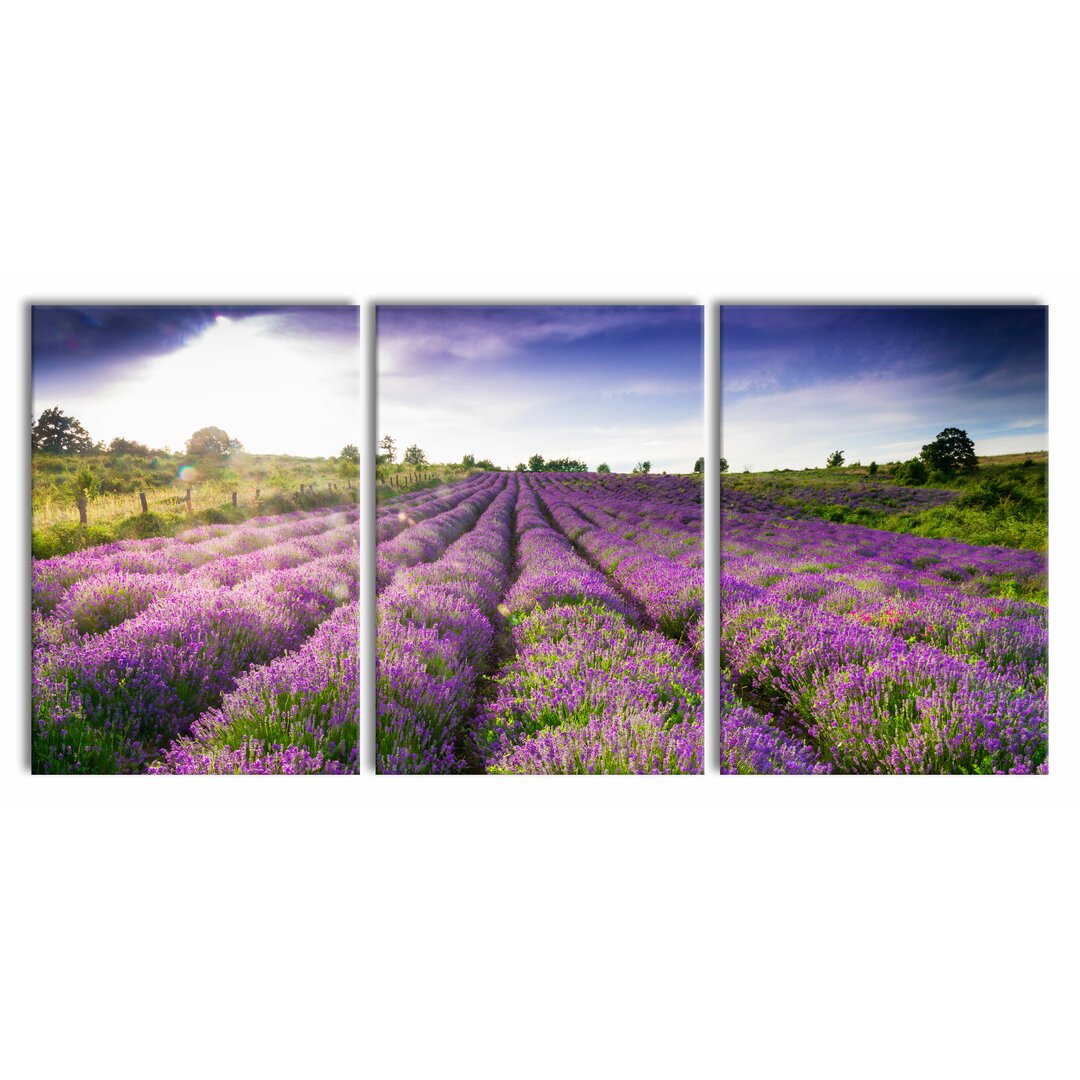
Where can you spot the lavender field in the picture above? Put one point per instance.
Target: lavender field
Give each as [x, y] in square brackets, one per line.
[853, 650]
[227, 649]
[541, 623]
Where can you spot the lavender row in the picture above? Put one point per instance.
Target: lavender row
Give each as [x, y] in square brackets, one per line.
[789, 499]
[50, 578]
[670, 592]
[298, 714]
[644, 524]
[94, 604]
[876, 649]
[435, 631]
[117, 698]
[427, 540]
[399, 513]
[587, 690]
[821, 545]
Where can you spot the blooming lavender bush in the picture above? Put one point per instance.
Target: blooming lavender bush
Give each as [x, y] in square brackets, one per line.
[514, 645]
[872, 651]
[141, 643]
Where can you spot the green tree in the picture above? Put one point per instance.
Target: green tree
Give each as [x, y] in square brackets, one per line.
[603, 468]
[951, 452]
[212, 443]
[699, 465]
[521, 467]
[128, 446]
[836, 459]
[723, 465]
[872, 469]
[468, 462]
[350, 454]
[566, 464]
[389, 449]
[641, 468]
[56, 433]
[414, 456]
[536, 463]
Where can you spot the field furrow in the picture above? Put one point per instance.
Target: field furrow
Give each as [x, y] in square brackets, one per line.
[585, 684]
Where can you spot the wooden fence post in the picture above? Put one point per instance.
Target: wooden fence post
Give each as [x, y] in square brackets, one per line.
[142, 502]
[187, 499]
[256, 494]
[234, 498]
[80, 501]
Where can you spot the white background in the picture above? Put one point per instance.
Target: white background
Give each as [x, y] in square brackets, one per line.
[470, 926]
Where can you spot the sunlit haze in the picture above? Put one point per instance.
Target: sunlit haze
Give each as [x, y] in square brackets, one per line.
[617, 385]
[282, 380]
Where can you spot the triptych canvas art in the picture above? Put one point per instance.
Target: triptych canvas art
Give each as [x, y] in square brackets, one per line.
[541, 578]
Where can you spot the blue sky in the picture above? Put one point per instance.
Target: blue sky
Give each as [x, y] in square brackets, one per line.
[601, 384]
[281, 379]
[878, 382]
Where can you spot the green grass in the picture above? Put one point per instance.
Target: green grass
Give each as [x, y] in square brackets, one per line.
[1003, 503]
[113, 508]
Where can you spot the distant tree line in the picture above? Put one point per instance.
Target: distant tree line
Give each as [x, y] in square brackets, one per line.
[952, 453]
[564, 464]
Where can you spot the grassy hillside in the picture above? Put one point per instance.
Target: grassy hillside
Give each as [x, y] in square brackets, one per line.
[1004, 502]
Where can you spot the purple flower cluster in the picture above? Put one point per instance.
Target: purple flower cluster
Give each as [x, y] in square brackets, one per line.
[124, 660]
[435, 637]
[426, 540]
[665, 576]
[881, 651]
[587, 689]
[796, 500]
[499, 564]
[51, 578]
[401, 512]
[299, 713]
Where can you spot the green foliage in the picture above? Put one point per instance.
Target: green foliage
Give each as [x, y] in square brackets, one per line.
[641, 468]
[835, 459]
[723, 465]
[414, 456]
[468, 461]
[911, 473]
[211, 442]
[566, 464]
[56, 433]
[951, 452]
[872, 468]
[536, 463]
[350, 454]
[603, 468]
[388, 446]
[1001, 505]
[129, 448]
[143, 526]
[521, 467]
[85, 483]
[699, 465]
